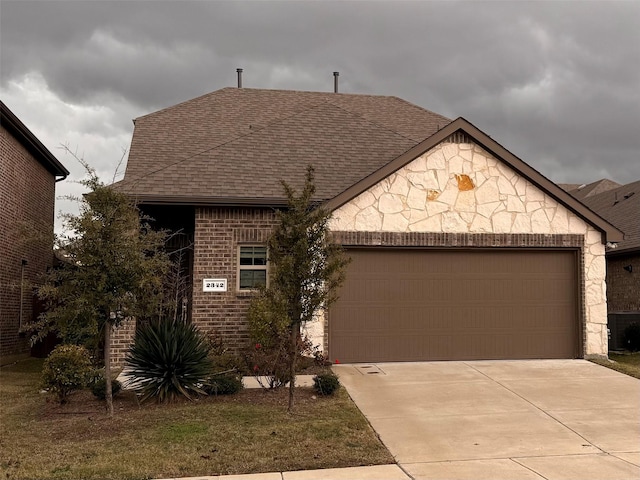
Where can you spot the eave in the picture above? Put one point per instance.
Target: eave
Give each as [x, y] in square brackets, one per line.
[30, 142]
[209, 201]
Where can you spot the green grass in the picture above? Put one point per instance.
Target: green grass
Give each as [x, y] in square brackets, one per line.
[627, 363]
[245, 433]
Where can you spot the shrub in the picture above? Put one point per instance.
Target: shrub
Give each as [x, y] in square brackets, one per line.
[269, 364]
[168, 359]
[631, 337]
[326, 383]
[66, 369]
[270, 356]
[268, 321]
[221, 358]
[99, 384]
[226, 384]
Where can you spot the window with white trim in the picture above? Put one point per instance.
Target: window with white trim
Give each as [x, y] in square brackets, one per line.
[252, 267]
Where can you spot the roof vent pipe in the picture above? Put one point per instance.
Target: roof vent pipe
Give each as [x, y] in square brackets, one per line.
[335, 81]
[239, 70]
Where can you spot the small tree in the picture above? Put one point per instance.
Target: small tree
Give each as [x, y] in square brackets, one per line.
[306, 267]
[114, 270]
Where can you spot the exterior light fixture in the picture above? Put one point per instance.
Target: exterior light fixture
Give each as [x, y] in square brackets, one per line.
[629, 268]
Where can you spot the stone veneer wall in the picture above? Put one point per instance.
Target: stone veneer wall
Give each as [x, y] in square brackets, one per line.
[458, 187]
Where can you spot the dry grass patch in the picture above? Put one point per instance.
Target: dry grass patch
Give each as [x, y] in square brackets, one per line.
[627, 363]
[245, 433]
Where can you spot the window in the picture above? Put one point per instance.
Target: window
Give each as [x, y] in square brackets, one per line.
[252, 267]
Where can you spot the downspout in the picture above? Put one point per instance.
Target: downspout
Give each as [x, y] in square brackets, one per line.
[20, 320]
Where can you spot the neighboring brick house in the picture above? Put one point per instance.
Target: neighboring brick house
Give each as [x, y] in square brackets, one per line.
[28, 174]
[459, 249]
[620, 205]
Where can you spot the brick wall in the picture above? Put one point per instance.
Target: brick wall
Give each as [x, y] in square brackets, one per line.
[27, 195]
[218, 233]
[121, 340]
[623, 287]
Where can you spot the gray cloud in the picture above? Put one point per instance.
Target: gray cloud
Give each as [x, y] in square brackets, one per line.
[558, 83]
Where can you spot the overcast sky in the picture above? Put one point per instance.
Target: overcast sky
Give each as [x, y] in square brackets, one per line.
[556, 83]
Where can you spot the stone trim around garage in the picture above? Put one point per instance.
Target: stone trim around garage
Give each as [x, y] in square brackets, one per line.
[472, 240]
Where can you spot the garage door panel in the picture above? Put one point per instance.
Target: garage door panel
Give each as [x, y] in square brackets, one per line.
[403, 305]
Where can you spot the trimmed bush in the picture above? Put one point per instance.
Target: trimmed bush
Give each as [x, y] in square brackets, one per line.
[99, 385]
[168, 359]
[222, 358]
[326, 383]
[269, 365]
[631, 337]
[66, 369]
[226, 384]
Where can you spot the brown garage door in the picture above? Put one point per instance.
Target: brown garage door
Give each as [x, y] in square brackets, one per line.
[409, 305]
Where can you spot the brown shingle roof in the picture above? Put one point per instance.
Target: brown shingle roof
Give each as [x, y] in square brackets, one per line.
[238, 144]
[233, 146]
[583, 191]
[621, 207]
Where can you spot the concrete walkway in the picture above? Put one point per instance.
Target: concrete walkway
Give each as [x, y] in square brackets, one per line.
[379, 472]
[511, 420]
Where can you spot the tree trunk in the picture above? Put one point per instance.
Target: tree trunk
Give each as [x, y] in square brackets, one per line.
[292, 363]
[108, 395]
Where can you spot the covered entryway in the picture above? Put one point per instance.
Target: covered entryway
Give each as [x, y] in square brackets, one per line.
[429, 304]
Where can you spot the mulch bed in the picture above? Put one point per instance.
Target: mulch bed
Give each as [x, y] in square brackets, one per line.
[84, 403]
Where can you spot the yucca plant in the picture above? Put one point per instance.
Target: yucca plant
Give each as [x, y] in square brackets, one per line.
[168, 359]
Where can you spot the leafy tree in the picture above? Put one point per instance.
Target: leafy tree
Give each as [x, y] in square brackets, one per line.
[306, 267]
[114, 269]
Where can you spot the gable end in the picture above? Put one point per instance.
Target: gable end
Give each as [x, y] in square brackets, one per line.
[462, 131]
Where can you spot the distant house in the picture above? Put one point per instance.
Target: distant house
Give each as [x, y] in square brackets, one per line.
[619, 205]
[460, 250]
[28, 174]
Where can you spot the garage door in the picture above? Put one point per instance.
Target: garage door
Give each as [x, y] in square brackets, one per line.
[410, 305]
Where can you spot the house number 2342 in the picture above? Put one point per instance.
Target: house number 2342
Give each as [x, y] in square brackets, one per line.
[214, 285]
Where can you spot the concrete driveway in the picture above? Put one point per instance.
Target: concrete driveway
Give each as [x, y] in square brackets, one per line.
[511, 420]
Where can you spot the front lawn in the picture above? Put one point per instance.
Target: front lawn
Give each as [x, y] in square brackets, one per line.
[245, 433]
[627, 363]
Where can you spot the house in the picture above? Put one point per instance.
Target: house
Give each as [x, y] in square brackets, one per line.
[459, 249]
[620, 206]
[28, 174]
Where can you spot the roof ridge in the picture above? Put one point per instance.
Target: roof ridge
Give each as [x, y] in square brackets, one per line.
[235, 89]
[315, 92]
[614, 190]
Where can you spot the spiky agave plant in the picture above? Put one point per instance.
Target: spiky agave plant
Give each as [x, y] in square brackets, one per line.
[168, 359]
